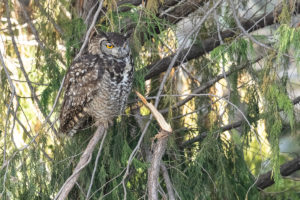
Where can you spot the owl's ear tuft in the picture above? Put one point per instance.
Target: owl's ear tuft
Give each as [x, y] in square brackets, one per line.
[96, 32]
[101, 33]
[92, 34]
[127, 35]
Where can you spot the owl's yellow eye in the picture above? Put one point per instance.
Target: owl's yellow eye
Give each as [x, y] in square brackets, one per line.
[109, 46]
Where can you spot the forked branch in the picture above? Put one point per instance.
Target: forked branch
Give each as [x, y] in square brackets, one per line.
[159, 148]
[83, 162]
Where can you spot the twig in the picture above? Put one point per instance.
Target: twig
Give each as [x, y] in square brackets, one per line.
[206, 85]
[33, 29]
[4, 179]
[33, 139]
[23, 69]
[167, 181]
[90, 30]
[12, 87]
[56, 26]
[172, 63]
[83, 162]
[13, 126]
[240, 26]
[96, 164]
[87, 19]
[56, 98]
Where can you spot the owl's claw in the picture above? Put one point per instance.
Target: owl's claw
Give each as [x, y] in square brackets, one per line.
[106, 124]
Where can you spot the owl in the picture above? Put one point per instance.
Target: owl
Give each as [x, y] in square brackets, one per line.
[97, 84]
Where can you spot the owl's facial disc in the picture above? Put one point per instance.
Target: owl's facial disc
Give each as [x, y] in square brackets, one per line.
[111, 49]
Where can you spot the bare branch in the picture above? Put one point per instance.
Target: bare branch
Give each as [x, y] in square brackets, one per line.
[153, 171]
[174, 10]
[96, 164]
[159, 150]
[240, 26]
[167, 181]
[173, 61]
[90, 30]
[83, 162]
[28, 21]
[23, 69]
[203, 135]
[13, 90]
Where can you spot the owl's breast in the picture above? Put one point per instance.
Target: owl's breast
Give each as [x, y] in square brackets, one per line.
[110, 99]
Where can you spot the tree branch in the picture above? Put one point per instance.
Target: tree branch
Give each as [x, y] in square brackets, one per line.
[203, 135]
[173, 10]
[90, 30]
[153, 171]
[159, 148]
[83, 162]
[52, 21]
[266, 180]
[29, 22]
[168, 182]
[207, 85]
[37, 101]
[95, 167]
[209, 44]
[228, 127]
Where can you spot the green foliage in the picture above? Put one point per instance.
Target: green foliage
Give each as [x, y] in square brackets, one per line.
[214, 168]
[217, 165]
[74, 30]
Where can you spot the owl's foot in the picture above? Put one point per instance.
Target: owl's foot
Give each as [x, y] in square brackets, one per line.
[106, 124]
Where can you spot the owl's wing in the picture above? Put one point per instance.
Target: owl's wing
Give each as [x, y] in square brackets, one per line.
[80, 86]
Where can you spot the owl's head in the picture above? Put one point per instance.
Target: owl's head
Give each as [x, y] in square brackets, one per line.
[109, 44]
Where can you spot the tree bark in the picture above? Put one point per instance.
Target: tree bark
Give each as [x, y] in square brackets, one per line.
[266, 180]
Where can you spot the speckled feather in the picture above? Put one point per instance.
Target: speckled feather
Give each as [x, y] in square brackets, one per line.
[96, 86]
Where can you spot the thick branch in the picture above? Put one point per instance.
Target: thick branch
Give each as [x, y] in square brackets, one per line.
[153, 171]
[203, 135]
[209, 44]
[266, 180]
[207, 85]
[174, 10]
[228, 127]
[83, 162]
[159, 149]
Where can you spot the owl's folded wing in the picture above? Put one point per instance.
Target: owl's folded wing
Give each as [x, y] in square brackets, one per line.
[80, 86]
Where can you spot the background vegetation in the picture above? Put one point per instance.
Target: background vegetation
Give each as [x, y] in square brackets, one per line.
[224, 74]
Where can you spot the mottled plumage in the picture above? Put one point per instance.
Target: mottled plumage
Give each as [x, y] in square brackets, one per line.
[97, 84]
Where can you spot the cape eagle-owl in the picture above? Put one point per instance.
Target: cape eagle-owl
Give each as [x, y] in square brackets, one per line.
[97, 83]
